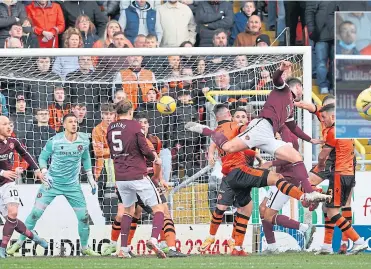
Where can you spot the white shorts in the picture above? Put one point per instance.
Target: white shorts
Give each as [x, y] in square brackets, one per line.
[260, 135]
[8, 194]
[144, 188]
[276, 199]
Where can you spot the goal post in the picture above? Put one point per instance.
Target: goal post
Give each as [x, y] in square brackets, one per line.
[193, 195]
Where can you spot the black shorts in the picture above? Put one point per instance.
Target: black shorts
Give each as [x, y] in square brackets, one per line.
[235, 188]
[325, 174]
[340, 187]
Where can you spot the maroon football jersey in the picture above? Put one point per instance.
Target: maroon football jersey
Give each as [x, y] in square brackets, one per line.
[287, 170]
[129, 150]
[7, 148]
[279, 106]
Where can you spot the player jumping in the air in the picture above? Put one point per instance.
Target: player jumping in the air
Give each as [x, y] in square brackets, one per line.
[155, 173]
[227, 196]
[239, 179]
[9, 196]
[275, 201]
[317, 175]
[341, 182]
[67, 150]
[277, 111]
[129, 151]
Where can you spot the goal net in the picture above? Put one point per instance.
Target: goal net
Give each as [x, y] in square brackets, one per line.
[38, 87]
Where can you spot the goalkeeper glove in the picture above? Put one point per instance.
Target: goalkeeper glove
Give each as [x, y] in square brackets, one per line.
[92, 182]
[47, 181]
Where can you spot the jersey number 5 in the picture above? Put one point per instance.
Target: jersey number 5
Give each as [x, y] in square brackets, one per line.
[117, 143]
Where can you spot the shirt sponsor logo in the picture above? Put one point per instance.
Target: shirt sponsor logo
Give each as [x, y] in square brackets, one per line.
[80, 148]
[11, 145]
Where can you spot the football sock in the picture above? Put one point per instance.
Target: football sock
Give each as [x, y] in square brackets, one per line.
[345, 227]
[289, 189]
[83, 226]
[162, 235]
[285, 221]
[8, 230]
[125, 230]
[346, 212]
[234, 225]
[301, 173]
[133, 228]
[169, 231]
[157, 224]
[116, 228]
[216, 220]
[329, 230]
[31, 221]
[240, 228]
[21, 228]
[268, 231]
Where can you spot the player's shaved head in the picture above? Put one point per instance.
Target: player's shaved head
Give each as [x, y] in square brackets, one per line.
[222, 112]
[296, 87]
[328, 114]
[328, 99]
[5, 129]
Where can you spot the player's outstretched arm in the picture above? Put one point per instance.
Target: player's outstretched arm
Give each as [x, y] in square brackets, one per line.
[277, 76]
[86, 163]
[312, 108]
[299, 133]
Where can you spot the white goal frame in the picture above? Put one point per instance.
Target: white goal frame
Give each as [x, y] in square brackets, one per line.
[202, 51]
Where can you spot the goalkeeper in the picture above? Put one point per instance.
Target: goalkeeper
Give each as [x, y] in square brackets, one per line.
[67, 150]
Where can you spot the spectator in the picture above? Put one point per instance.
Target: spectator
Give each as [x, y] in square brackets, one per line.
[4, 110]
[38, 134]
[86, 125]
[183, 142]
[263, 41]
[11, 12]
[58, 109]
[248, 39]
[320, 22]
[186, 44]
[124, 4]
[87, 30]
[177, 23]
[135, 81]
[119, 96]
[220, 39]
[21, 118]
[294, 10]
[48, 22]
[112, 27]
[212, 15]
[63, 65]
[346, 44]
[174, 63]
[73, 9]
[120, 41]
[41, 92]
[241, 18]
[159, 124]
[27, 40]
[244, 78]
[221, 82]
[151, 41]
[140, 19]
[140, 41]
[101, 150]
[83, 92]
[13, 43]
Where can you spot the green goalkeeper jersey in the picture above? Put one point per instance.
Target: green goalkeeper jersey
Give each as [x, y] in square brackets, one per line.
[66, 158]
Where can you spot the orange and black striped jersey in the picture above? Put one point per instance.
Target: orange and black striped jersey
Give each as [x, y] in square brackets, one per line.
[234, 160]
[342, 152]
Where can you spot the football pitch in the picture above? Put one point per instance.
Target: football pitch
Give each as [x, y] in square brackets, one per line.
[284, 261]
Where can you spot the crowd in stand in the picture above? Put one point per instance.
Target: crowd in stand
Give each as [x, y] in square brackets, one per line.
[86, 85]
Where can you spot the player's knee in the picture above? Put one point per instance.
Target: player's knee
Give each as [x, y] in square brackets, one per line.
[157, 208]
[12, 211]
[268, 215]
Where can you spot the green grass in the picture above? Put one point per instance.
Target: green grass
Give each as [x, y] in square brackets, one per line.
[284, 261]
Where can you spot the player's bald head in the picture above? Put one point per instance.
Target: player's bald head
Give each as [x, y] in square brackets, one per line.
[222, 112]
[3, 119]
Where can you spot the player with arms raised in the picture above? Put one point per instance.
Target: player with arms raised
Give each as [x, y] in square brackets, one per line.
[66, 150]
[130, 151]
[9, 197]
[341, 181]
[277, 111]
